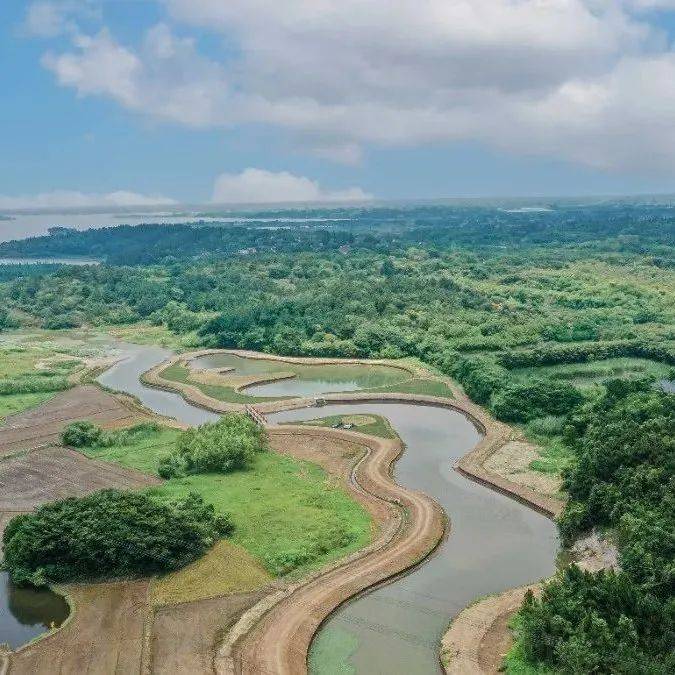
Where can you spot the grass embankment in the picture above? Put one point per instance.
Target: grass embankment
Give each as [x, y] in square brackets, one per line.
[421, 386]
[287, 513]
[374, 425]
[177, 372]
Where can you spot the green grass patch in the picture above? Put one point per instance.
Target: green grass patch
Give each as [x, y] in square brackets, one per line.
[15, 403]
[287, 513]
[422, 386]
[331, 652]
[374, 425]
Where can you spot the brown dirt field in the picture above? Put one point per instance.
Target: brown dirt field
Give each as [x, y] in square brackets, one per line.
[42, 425]
[184, 636]
[104, 636]
[31, 479]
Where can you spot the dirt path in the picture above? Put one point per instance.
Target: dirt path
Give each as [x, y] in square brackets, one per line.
[279, 642]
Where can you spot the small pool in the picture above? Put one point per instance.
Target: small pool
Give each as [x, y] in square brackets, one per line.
[309, 380]
[26, 613]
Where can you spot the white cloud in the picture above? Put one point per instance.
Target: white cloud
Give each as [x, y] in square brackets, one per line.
[49, 18]
[591, 81]
[256, 186]
[58, 199]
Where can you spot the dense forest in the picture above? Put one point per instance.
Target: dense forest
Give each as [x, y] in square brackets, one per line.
[533, 313]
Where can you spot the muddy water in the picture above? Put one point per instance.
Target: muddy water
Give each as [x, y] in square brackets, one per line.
[308, 380]
[25, 613]
[495, 544]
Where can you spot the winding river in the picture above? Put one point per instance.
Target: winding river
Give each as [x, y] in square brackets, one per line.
[495, 543]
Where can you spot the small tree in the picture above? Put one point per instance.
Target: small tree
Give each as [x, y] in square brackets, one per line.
[82, 434]
[227, 445]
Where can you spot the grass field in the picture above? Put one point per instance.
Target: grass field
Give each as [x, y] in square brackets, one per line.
[15, 403]
[226, 568]
[31, 374]
[287, 513]
[375, 425]
[422, 386]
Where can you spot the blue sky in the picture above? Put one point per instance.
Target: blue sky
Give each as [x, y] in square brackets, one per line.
[390, 99]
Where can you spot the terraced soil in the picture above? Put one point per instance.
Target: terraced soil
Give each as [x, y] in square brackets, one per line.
[41, 426]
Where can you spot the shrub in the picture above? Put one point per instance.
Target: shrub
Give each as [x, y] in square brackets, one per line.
[221, 447]
[82, 434]
[111, 533]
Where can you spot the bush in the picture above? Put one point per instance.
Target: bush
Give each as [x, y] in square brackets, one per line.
[111, 533]
[82, 434]
[227, 445]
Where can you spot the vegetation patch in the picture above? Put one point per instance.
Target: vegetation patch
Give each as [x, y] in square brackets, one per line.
[418, 385]
[225, 568]
[375, 425]
[178, 372]
[230, 444]
[287, 513]
[111, 533]
[16, 403]
[331, 652]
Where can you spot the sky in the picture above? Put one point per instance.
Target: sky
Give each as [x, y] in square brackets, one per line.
[118, 102]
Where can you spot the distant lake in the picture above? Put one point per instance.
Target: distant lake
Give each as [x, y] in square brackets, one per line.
[24, 225]
[48, 261]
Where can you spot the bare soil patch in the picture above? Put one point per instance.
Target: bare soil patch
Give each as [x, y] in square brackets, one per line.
[184, 636]
[41, 426]
[103, 636]
[512, 460]
[31, 479]
[479, 637]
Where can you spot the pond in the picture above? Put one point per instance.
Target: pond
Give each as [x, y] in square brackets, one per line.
[26, 613]
[309, 380]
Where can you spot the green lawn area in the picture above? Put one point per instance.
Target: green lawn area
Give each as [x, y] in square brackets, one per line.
[422, 386]
[14, 403]
[375, 425]
[287, 513]
[144, 333]
[594, 372]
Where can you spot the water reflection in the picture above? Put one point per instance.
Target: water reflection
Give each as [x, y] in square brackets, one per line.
[28, 612]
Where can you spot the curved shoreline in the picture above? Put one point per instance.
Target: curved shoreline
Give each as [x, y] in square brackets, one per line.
[267, 638]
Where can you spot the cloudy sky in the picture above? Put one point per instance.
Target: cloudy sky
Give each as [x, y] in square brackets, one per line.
[124, 101]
